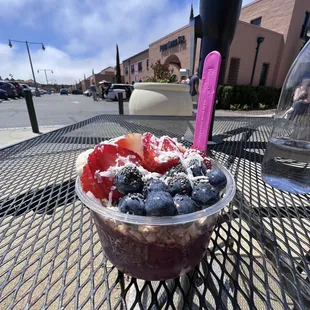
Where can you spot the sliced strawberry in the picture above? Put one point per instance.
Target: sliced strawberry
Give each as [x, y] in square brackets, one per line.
[132, 142]
[105, 156]
[168, 144]
[90, 184]
[92, 163]
[158, 153]
[166, 165]
[108, 183]
[150, 147]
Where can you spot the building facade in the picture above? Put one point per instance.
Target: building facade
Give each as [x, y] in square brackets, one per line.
[108, 74]
[279, 25]
[137, 67]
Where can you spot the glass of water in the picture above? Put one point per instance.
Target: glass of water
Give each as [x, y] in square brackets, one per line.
[286, 163]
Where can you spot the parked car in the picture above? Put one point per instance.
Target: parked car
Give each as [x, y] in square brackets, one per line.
[9, 88]
[77, 92]
[18, 89]
[3, 95]
[33, 90]
[87, 93]
[110, 92]
[63, 91]
[42, 91]
[24, 86]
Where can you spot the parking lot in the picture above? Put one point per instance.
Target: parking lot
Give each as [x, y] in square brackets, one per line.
[55, 110]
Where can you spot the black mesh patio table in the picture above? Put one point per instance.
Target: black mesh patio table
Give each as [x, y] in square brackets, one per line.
[51, 256]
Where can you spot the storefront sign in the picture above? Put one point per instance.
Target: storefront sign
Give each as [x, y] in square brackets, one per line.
[170, 44]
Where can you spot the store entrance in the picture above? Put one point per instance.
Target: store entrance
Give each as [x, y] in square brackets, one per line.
[175, 64]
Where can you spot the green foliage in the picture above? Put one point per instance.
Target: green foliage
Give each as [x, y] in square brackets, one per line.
[262, 106]
[118, 67]
[191, 15]
[245, 97]
[162, 74]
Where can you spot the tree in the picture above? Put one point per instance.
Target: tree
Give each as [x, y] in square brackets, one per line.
[118, 67]
[162, 73]
[191, 16]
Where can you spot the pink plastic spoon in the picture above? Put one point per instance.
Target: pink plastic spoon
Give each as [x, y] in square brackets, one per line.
[210, 75]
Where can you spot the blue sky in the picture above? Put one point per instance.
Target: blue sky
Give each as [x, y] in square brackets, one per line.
[81, 34]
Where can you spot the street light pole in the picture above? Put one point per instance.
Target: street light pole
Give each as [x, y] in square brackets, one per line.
[27, 45]
[259, 41]
[38, 94]
[45, 73]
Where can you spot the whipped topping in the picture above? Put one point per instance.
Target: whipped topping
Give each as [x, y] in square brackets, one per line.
[81, 161]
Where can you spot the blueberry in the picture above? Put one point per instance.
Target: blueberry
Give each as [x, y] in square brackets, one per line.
[204, 194]
[128, 180]
[197, 167]
[179, 184]
[184, 204]
[132, 204]
[159, 204]
[217, 178]
[154, 185]
[174, 170]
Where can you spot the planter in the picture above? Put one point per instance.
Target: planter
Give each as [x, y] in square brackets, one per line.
[160, 99]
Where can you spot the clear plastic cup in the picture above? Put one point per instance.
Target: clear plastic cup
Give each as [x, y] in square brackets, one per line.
[156, 248]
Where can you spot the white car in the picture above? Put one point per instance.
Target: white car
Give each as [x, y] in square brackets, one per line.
[87, 93]
[42, 91]
[33, 90]
[112, 91]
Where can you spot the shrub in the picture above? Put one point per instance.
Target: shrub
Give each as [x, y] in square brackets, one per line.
[162, 74]
[227, 97]
[247, 97]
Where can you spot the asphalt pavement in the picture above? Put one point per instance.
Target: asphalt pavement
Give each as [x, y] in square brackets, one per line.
[55, 110]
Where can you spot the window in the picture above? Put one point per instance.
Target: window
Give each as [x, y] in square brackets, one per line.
[140, 66]
[132, 68]
[306, 26]
[256, 21]
[126, 70]
[264, 74]
[147, 64]
[233, 71]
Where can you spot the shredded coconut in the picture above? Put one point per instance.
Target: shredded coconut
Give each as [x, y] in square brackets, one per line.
[151, 175]
[109, 203]
[203, 178]
[98, 176]
[192, 156]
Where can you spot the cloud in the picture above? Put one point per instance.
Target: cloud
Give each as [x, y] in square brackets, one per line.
[66, 68]
[81, 35]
